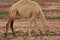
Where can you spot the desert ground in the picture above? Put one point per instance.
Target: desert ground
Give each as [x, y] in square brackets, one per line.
[54, 24]
[19, 24]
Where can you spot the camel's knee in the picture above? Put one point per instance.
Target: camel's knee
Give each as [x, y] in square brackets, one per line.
[31, 21]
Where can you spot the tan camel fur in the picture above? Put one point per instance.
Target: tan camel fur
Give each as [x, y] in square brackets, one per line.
[26, 9]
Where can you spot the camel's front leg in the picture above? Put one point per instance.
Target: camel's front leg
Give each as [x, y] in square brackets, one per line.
[32, 20]
[10, 22]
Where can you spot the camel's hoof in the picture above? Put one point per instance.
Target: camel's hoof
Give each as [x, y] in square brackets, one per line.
[5, 35]
[15, 36]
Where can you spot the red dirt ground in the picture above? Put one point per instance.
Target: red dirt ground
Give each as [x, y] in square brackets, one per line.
[39, 38]
[19, 24]
[24, 24]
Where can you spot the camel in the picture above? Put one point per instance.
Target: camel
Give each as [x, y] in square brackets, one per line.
[26, 9]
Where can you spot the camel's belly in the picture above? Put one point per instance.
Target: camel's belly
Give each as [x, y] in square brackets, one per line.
[25, 15]
[25, 11]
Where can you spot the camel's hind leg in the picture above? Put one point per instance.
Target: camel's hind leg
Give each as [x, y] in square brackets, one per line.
[10, 22]
[11, 26]
[7, 25]
[33, 19]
